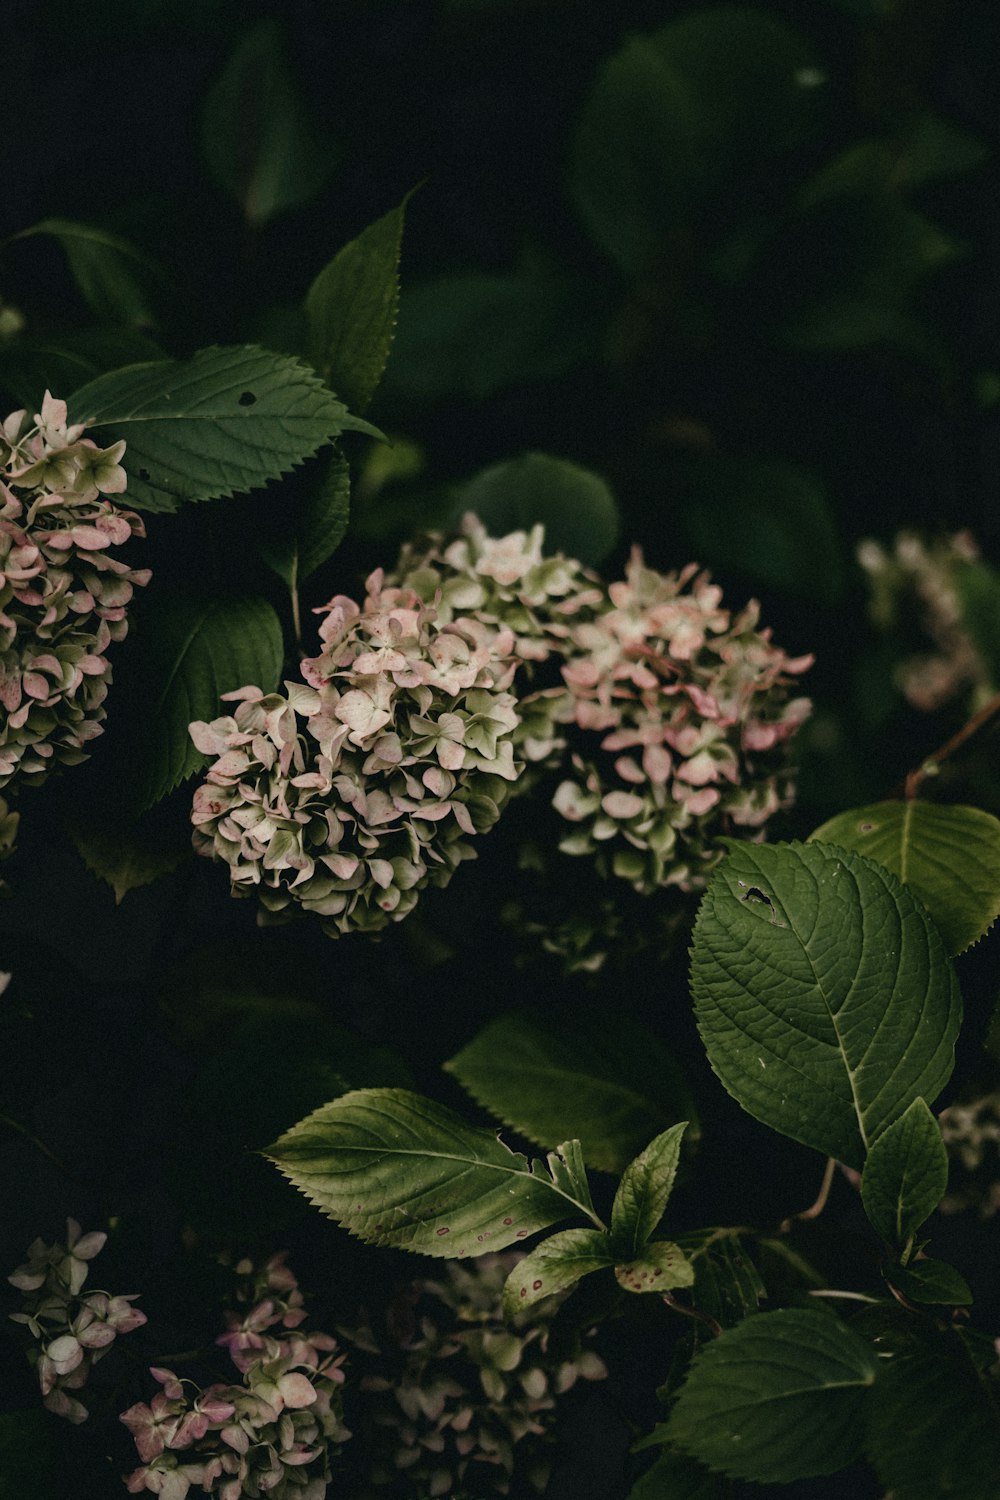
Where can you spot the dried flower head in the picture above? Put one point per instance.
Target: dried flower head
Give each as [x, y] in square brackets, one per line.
[362, 785]
[63, 596]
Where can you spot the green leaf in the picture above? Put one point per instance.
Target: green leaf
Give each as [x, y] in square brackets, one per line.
[397, 1169]
[660, 1266]
[823, 993]
[305, 533]
[227, 420]
[978, 587]
[695, 112]
[612, 1088]
[644, 1191]
[905, 1175]
[125, 852]
[727, 1285]
[934, 1421]
[557, 1263]
[30, 367]
[351, 309]
[777, 1398]
[193, 649]
[930, 1283]
[948, 856]
[566, 1167]
[111, 274]
[575, 506]
[675, 1476]
[257, 140]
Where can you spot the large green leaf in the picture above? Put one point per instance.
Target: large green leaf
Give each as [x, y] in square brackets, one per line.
[575, 506]
[777, 1398]
[307, 532]
[193, 649]
[932, 1283]
[823, 993]
[644, 1191]
[948, 856]
[227, 420]
[905, 1175]
[397, 1169]
[351, 310]
[557, 1263]
[257, 139]
[676, 1476]
[112, 275]
[610, 1087]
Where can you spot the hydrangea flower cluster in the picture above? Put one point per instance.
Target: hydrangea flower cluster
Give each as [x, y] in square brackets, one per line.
[63, 597]
[915, 584]
[675, 715]
[456, 1396]
[362, 785]
[971, 1132]
[272, 1433]
[72, 1329]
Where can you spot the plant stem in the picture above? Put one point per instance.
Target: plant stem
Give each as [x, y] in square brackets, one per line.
[293, 594]
[848, 1296]
[713, 1327]
[912, 782]
[38, 1144]
[815, 1209]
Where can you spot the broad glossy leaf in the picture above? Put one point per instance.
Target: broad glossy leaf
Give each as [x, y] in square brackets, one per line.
[397, 1169]
[308, 531]
[644, 1191]
[228, 420]
[777, 1398]
[905, 1175]
[351, 309]
[948, 856]
[557, 1263]
[931, 1283]
[575, 506]
[612, 1088]
[659, 1266]
[112, 275]
[193, 649]
[676, 1476]
[823, 993]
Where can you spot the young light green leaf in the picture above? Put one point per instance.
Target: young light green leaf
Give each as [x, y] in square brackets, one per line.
[777, 1398]
[397, 1169]
[351, 309]
[257, 140]
[948, 856]
[112, 274]
[905, 1175]
[193, 649]
[228, 420]
[308, 531]
[557, 1263]
[576, 506]
[660, 1266]
[931, 1283]
[642, 1195]
[612, 1088]
[823, 993]
[569, 1174]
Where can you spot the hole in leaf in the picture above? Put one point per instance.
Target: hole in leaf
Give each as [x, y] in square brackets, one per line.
[757, 897]
[867, 827]
[144, 474]
[248, 398]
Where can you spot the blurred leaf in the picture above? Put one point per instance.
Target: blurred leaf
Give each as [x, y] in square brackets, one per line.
[300, 535]
[905, 1175]
[978, 587]
[30, 367]
[678, 117]
[229, 419]
[575, 506]
[351, 309]
[257, 140]
[926, 148]
[675, 1476]
[472, 334]
[727, 1284]
[112, 275]
[931, 1283]
[768, 519]
[128, 853]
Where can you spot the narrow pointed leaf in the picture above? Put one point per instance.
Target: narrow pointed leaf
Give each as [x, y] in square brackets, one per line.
[643, 1192]
[112, 275]
[777, 1398]
[303, 536]
[660, 1266]
[397, 1169]
[823, 993]
[569, 1173]
[948, 856]
[557, 1263]
[351, 310]
[227, 420]
[905, 1175]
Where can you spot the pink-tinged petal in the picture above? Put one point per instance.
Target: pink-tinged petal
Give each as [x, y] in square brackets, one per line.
[65, 1352]
[296, 1391]
[90, 1245]
[700, 802]
[621, 805]
[172, 1387]
[657, 763]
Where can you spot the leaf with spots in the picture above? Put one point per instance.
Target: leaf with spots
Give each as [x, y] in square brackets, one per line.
[948, 856]
[556, 1264]
[823, 993]
[226, 421]
[905, 1175]
[644, 1190]
[661, 1266]
[397, 1169]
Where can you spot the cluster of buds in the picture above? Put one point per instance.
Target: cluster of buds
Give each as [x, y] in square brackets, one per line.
[71, 1329]
[457, 1397]
[271, 1433]
[971, 1133]
[915, 591]
[63, 597]
[673, 719]
[360, 786]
